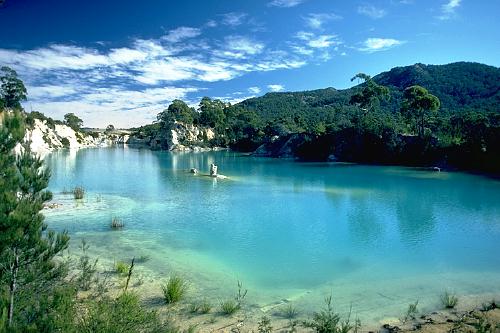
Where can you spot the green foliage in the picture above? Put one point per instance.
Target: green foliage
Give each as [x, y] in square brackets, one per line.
[122, 268]
[449, 300]
[369, 95]
[418, 104]
[410, 313]
[86, 269]
[30, 119]
[212, 113]
[110, 128]
[289, 312]
[12, 89]
[327, 321]
[65, 143]
[174, 290]
[229, 307]
[28, 271]
[177, 111]
[73, 121]
[264, 325]
[121, 315]
[78, 192]
[202, 307]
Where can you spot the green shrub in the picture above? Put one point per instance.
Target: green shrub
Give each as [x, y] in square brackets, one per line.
[229, 307]
[125, 314]
[449, 300]
[174, 289]
[327, 321]
[65, 143]
[86, 269]
[121, 268]
[78, 192]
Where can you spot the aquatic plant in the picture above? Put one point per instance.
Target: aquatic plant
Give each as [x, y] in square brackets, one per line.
[193, 308]
[240, 296]
[489, 306]
[449, 300]
[410, 313]
[205, 307]
[143, 258]
[121, 268]
[264, 325]
[229, 307]
[327, 321]
[174, 289]
[78, 192]
[289, 312]
[117, 224]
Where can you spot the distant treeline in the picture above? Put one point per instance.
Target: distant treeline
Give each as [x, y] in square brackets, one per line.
[445, 115]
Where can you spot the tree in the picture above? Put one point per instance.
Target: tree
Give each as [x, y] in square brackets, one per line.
[178, 111]
[370, 95]
[73, 121]
[12, 89]
[418, 104]
[212, 112]
[110, 128]
[27, 250]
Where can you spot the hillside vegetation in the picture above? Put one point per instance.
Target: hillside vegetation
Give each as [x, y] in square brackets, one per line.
[368, 123]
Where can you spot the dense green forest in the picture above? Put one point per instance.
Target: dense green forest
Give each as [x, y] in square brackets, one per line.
[369, 123]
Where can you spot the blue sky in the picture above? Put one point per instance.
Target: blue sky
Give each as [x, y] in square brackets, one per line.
[122, 61]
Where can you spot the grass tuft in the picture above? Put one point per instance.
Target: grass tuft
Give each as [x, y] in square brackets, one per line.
[121, 268]
[289, 312]
[449, 300]
[174, 290]
[229, 307]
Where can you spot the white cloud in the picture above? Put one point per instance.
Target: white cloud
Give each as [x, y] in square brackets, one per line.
[276, 87]
[128, 85]
[448, 10]
[122, 108]
[254, 90]
[316, 21]
[240, 46]
[181, 33]
[233, 19]
[371, 11]
[285, 3]
[379, 44]
[318, 41]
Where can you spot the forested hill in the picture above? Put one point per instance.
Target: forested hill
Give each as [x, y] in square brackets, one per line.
[460, 86]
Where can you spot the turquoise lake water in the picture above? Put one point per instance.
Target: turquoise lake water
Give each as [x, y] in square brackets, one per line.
[375, 237]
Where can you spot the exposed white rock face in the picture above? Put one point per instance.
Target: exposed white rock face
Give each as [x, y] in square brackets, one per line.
[45, 139]
[186, 136]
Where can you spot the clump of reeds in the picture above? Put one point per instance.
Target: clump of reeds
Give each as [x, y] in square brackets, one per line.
[449, 300]
[117, 224]
[78, 192]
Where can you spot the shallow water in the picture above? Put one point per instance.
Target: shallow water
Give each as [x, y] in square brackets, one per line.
[376, 237]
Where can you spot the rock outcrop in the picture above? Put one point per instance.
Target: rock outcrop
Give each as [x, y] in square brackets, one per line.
[283, 147]
[180, 137]
[44, 138]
